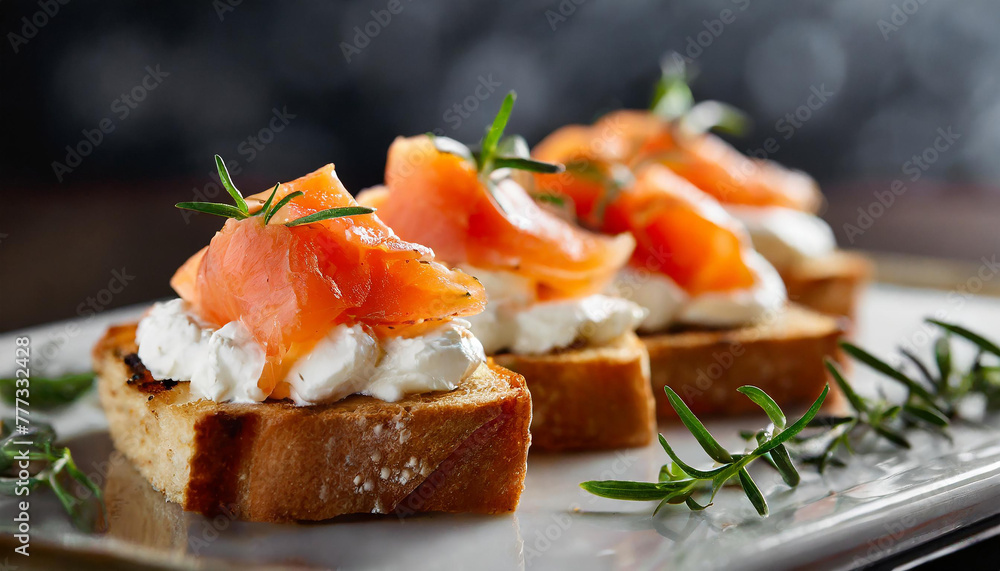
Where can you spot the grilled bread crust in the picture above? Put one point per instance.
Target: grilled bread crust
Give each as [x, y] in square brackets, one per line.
[458, 451]
[589, 398]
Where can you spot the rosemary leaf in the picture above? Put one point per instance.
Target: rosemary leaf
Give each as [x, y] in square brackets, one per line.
[892, 436]
[266, 208]
[978, 340]
[281, 204]
[753, 492]
[701, 434]
[50, 393]
[942, 358]
[331, 213]
[928, 415]
[796, 427]
[496, 130]
[215, 208]
[527, 165]
[782, 462]
[625, 490]
[764, 401]
[227, 182]
[887, 370]
[856, 401]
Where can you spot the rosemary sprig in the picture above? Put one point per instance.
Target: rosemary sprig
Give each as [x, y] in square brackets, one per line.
[932, 400]
[673, 101]
[50, 466]
[679, 481]
[979, 379]
[242, 210]
[496, 153]
[49, 393]
[931, 403]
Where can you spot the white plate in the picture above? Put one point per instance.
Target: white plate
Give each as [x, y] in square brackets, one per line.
[883, 503]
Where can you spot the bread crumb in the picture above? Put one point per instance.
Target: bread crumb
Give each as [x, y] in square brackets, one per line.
[378, 429]
[368, 486]
[384, 473]
[405, 476]
[357, 480]
[404, 435]
[376, 456]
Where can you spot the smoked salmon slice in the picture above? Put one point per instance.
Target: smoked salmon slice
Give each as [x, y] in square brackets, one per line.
[708, 162]
[439, 199]
[679, 230]
[290, 285]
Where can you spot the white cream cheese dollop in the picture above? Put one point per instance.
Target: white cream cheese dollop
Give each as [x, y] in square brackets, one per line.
[230, 367]
[340, 364]
[171, 341]
[667, 303]
[224, 365]
[785, 236]
[514, 320]
[435, 361]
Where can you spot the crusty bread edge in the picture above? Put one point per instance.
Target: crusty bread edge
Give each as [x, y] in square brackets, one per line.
[784, 356]
[590, 398]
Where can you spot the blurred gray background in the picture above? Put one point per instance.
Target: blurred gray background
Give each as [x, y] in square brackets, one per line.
[113, 111]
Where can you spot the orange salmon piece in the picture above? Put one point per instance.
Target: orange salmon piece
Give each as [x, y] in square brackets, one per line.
[437, 199]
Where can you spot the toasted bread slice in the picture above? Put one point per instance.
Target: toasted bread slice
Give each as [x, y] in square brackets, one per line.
[784, 356]
[831, 284]
[589, 398]
[458, 451]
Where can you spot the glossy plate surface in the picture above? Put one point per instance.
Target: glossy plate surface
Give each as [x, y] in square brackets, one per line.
[881, 504]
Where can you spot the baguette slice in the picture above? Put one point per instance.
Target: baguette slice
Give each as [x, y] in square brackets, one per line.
[831, 284]
[783, 356]
[458, 451]
[589, 398]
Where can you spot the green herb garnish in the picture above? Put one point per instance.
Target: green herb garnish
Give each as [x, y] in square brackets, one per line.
[49, 393]
[673, 101]
[50, 466]
[496, 152]
[932, 403]
[550, 198]
[242, 211]
[679, 481]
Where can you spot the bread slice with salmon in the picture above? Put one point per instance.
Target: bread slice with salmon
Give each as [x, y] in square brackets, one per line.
[457, 451]
[778, 205]
[315, 365]
[547, 315]
[718, 315]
